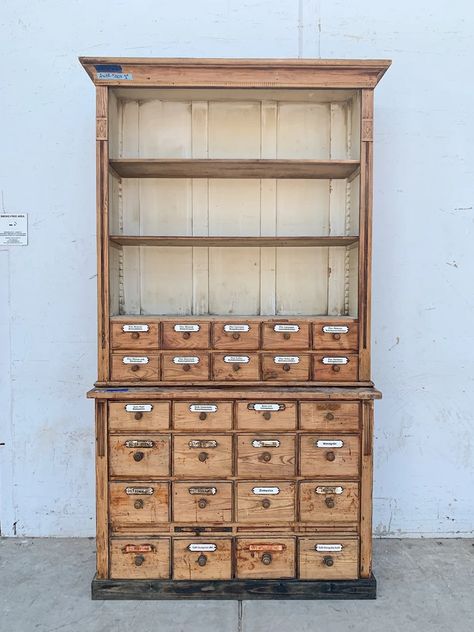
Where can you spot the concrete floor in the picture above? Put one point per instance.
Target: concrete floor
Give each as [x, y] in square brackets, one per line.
[424, 585]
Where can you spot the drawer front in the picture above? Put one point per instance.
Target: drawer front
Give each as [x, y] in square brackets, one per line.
[329, 416]
[285, 335]
[270, 503]
[135, 368]
[202, 456]
[184, 367]
[133, 335]
[285, 367]
[136, 504]
[265, 558]
[329, 558]
[266, 456]
[266, 415]
[140, 559]
[139, 456]
[226, 366]
[202, 502]
[330, 455]
[202, 558]
[335, 367]
[205, 416]
[243, 335]
[138, 416]
[329, 501]
[185, 334]
[336, 334]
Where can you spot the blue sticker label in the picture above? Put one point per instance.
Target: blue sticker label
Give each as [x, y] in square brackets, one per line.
[108, 68]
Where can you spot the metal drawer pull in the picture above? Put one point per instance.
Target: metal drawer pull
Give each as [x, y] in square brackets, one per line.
[139, 559]
[265, 443]
[329, 490]
[203, 443]
[330, 456]
[330, 503]
[266, 456]
[328, 561]
[266, 503]
[135, 328]
[203, 456]
[267, 559]
[202, 503]
[139, 491]
[202, 560]
[138, 456]
[139, 443]
[139, 504]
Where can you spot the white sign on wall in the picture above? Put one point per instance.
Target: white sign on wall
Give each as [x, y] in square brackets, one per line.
[14, 229]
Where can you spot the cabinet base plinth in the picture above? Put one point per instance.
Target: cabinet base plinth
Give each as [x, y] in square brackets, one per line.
[234, 589]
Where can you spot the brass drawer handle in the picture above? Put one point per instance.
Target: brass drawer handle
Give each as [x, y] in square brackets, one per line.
[138, 504]
[267, 415]
[139, 559]
[330, 504]
[266, 456]
[329, 416]
[202, 503]
[135, 368]
[135, 335]
[267, 559]
[203, 456]
[330, 456]
[138, 456]
[328, 560]
[266, 503]
[202, 560]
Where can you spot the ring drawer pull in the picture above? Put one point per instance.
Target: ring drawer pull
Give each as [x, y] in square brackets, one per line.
[203, 456]
[267, 559]
[266, 503]
[139, 560]
[330, 504]
[202, 560]
[138, 456]
[138, 504]
[202, 503]
[328, 560]
[330, 456]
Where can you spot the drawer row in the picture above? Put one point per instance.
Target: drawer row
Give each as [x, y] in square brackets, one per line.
[135, 504]
[245, 455]
[182, 366]
[321, 557]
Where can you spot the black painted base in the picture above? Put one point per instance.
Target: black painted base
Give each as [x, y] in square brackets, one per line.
[234, 589]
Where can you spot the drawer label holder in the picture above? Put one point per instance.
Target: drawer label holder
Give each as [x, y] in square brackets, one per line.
[202, 491]
[339, 360]
[329, 443]
[233, 328]
[265, 491]
[267, 547]
[286, 359]
[335, 329]
[321, 489]
[139, 443]
[232, 359]
[265, 443]
[139, 491]
[286, 328]
[201, 548]
[203, 408]
[186, 360]
[135, 360]
[186, 328]
[132, 328]
[328, 548]
[203, 443]
[266, 407]
[138, 548]
[139, 408]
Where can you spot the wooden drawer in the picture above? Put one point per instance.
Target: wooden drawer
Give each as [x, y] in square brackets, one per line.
[266, 415]
[329, 558]
[139, 455]
[283, 334]
[329, 501]
[139, 416]
[227, 366]
[329, 416]
[132, 335]
[181, 367]
[202, 456]
[185, 334]
[135, 368]
[137, 504]
[265, 558]
[266, 456]
[335, 367]
[330, 455]
[236, 336]
[202, 558]
[135, 558]
[205, 416]
[269, 504]
[202, 502]
[336, 334]
[285, 367]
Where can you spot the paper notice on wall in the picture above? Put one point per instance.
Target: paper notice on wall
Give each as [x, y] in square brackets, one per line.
[14, 229]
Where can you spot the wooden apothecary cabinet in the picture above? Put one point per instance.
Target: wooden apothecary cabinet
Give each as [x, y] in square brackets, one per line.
[234, 401]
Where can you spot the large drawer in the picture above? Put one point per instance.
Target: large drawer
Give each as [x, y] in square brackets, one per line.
[333, 456]
[202, 501]
[266, 415]
[140, 456]
[185, 334]
[330, 502]
[270, 503]
[266, 456]
[135, 368]
[202, 558]
[137, 336]
[135, 558]
[184, 367]
[236, 336]
[285, 335]
[336, 335]
[133, 503]
[287, 368]
[265, 558]
[138, 416]
[330, 416]
[245, 366]
[329, 557]
[202, 456]
[335, 367]
[202, 415]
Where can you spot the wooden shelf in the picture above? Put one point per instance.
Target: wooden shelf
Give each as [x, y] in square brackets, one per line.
[177, 168]
[239, 242]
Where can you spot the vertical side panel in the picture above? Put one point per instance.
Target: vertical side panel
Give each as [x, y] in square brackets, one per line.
[366, 490]
[269, 114]
[200, 209]
[102, 522]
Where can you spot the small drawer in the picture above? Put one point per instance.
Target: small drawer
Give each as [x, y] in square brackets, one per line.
[265, 558]
[329, 416]
[134, 558]
[235, 367]
[202, 558]
[285, 367]
[330, 455]
[139, 336]
[135, 368]
[137, 504]
[138, 416]
[329, 501]
[202, 502]
[139, 456]
[266, 456]
[336, 367]
[185, 334]
[236, 335]
[180, 367]
[266, 415]
[266, 504]
[205, 416]
[329, 558]
[336, 334]
[286, 335]
[202, 455]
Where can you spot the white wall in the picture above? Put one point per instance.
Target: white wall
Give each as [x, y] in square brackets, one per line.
[423, 236]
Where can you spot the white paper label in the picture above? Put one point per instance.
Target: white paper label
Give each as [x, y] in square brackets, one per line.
[231, 328]
[237, 359]
[14, 229]
[139, 491]
[265, 491]
[265, 443]
[335, 360]
[328, 548]
[139, 408]
[203, 408]
[333, 443]
[284, 328]
[187, 327]
[185, 360]
[135, 360]
[335, 329]
[128, 328]
[329, 490]
[197, 548]
[266, 406]
[286, 359]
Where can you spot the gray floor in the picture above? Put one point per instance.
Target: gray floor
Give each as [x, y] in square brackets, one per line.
[423, 585]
